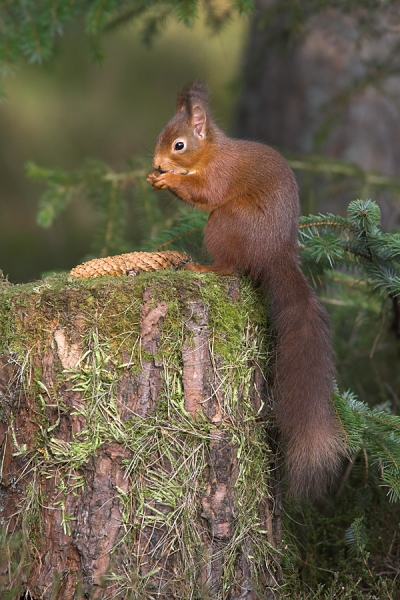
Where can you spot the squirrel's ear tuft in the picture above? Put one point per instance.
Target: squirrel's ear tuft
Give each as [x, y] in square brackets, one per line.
[191, 96]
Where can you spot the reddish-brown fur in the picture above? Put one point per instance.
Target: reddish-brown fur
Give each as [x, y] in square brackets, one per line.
[251, 194]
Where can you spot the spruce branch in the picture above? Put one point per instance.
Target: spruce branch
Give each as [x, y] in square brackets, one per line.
[323, 222]
[154, 22]
[356, 537]
[377, 431]
[29, 29]
[179, 237]
[334, 176]
[330, 240]
[188, 227]
[107, 191]
[125, 17]
[215, 17]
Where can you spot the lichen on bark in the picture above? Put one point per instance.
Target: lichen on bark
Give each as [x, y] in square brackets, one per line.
[134, 450]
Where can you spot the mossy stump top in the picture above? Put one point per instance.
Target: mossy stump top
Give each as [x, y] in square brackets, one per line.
[135, 461]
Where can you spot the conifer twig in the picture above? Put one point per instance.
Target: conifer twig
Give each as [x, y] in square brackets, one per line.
[178, 237]
[328, 223]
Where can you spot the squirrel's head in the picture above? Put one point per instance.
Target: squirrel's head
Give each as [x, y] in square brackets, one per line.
[182, 143]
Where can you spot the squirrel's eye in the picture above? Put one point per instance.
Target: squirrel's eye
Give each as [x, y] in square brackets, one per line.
[179, 146]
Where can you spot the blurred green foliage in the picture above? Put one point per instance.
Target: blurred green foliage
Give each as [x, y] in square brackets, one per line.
[30, 29]
[69, 109]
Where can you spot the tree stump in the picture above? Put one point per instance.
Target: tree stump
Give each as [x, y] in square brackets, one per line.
[134, 444]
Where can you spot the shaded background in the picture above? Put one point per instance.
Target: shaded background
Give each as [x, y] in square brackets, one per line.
[315, 83]
[69, 109]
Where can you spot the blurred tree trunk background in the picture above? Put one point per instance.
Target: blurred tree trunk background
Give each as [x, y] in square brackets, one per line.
[326, 84]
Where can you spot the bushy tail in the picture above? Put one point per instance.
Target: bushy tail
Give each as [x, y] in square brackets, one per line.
[303, 383]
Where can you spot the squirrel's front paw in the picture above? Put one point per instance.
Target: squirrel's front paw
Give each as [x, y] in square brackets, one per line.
[161, 181]
[156, 179]
[151, 177]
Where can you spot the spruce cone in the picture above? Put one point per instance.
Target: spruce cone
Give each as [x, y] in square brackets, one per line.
[130, 264]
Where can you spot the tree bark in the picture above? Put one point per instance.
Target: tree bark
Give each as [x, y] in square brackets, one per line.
[133, 462]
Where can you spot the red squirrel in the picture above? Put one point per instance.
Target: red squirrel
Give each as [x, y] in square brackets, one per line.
[252, 197]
